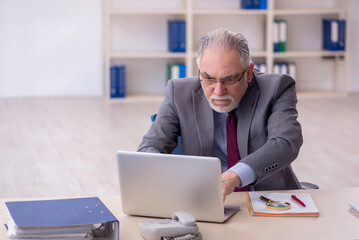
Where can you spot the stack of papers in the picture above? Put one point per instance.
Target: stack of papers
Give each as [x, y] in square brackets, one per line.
[78, 218]
[256, 206]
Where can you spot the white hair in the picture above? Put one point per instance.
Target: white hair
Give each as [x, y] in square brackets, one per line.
[222, 38]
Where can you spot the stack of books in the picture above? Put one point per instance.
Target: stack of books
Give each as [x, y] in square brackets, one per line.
[334, 34]
[118, 81]
[77, 218]
[280, 35]
[177, 36]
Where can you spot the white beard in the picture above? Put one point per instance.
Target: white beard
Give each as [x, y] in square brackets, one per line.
[223, 109]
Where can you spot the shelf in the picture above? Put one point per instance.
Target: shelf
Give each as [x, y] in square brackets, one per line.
[308, 11]
[128, 23]
[147, 12]
[228, 12]
[135, 98]
[317, 53]
[146, 55]
[254, 53]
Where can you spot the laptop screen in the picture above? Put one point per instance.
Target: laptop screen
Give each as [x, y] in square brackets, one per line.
[157, 185]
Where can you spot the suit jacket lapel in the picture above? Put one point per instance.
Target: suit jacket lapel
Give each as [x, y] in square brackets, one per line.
[204, 122]
[246, 111]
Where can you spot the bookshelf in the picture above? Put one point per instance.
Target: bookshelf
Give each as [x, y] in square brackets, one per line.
[135, 34]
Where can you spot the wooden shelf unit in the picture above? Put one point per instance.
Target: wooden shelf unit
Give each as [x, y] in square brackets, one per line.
[186, 10]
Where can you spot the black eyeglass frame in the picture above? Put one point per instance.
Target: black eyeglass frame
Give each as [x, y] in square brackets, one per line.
[223, 81]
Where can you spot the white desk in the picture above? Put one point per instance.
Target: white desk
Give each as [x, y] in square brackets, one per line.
[334, 222]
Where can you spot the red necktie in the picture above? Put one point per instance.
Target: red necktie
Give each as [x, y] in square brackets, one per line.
[232, 148]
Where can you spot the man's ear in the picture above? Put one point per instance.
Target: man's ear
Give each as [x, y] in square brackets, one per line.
[250, 72]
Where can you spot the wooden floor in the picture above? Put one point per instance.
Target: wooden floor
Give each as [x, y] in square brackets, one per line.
[58, 147]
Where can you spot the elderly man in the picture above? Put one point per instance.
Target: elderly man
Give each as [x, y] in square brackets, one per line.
[246, 118]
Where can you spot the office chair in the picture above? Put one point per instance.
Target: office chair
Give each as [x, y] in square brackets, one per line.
[178, 148]
[178, 151]
[308, 185]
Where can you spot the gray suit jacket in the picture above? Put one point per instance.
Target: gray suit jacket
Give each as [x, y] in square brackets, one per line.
[269, 135]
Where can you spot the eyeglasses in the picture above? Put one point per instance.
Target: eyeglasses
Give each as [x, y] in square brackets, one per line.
[225, 81]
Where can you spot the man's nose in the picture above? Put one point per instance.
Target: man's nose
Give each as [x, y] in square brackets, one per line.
[219, 88]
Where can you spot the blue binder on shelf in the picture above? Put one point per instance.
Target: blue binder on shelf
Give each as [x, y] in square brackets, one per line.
[113, 81]
[182, 36]
[176, 35]
[341, 38]
[63, 216]
[182, 70]
[172, 36]
[262, 4]
[121, 81]
[333, 34]
[118, 81]
[247, 4]
[254, 4]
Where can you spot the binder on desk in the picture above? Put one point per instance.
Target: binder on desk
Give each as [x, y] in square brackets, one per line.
[257, 207]
[74, 218]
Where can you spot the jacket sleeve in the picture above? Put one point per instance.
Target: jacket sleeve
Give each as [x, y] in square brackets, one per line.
[163, 132]
[277, 145]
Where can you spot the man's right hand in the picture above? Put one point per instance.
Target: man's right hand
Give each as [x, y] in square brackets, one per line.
[229, 181]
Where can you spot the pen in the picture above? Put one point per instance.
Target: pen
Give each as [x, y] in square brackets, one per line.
[297, 200]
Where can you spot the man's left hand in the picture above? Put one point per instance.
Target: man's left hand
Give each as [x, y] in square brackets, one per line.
[229, 181]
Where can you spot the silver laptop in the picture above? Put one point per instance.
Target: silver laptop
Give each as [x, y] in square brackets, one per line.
[156, 185]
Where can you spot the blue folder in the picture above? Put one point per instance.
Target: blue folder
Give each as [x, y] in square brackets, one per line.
[172, 36]
[333, 34]
[254, 4]
[113, 81]
[118, 81]
[181, 36]
[177, 36]
[247, 4]
[61, 212]
[121, 81]
[182, 70]
[341, 38]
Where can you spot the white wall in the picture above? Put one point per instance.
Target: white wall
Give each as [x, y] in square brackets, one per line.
[51, 48]
[353, 79]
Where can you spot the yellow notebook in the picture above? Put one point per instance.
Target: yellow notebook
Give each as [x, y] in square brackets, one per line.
[256, 206]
